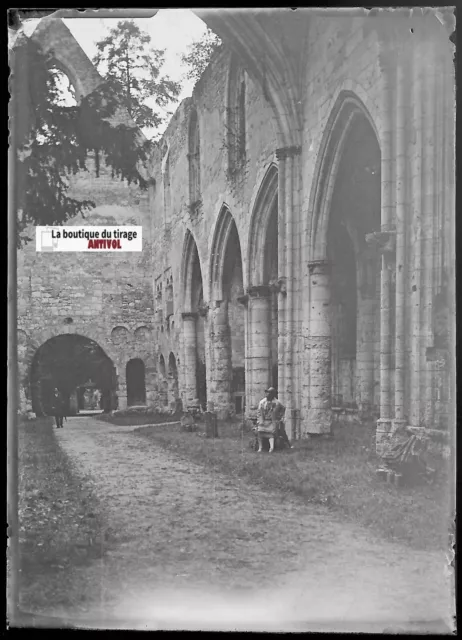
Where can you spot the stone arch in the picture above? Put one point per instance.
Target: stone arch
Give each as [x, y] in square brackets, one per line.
[224, 227]
[194, 319]
[163, 383]
[173, 391]
[55, 38]
[261, 44]
[142, 333]
[189, 264]
[69, 360]
[263, 208]
[344, 268]
[345, 113]
[136, 382]
[227, 336]
[119, 335]
[263, 303]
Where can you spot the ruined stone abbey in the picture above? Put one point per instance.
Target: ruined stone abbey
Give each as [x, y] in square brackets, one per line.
[298, 230]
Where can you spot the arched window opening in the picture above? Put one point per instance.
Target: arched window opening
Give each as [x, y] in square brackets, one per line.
[166, 184]
[136, 385]
[236, 117]
[64, 90]
[173, 394]
[194, 161]
[241, 122]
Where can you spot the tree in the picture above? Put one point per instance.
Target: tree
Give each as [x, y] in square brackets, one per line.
[199, 55]
[133, 71]
[53, 141]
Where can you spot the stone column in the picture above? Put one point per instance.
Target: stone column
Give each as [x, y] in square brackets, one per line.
[402, 127]
[365, 333]
[288, 220]
[260, 342]
[320, 344]
[416, 248]
[429, 241]
[282, 253]
[387, 59]
[221, 357]
[122, 387]
[189, 357]
[244, 301]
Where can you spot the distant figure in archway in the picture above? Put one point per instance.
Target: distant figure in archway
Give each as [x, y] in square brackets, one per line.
[58, 408]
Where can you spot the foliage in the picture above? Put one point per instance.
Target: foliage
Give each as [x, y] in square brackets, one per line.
[54, 141]
[199, 54]
[132, 70]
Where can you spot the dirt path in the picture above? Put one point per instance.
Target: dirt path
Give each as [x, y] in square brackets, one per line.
[191, 548]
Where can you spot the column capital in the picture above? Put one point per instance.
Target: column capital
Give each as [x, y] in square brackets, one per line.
[322, 266]
[259, 291]
[288, 152]
[383, 241]
[186, 315]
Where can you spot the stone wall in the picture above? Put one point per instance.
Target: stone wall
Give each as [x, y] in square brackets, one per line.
[304, 99]
[105, 297]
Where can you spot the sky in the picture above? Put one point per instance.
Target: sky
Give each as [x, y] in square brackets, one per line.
[170, 29]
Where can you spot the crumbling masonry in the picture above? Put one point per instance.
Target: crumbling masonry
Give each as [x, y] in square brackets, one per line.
[299, 230]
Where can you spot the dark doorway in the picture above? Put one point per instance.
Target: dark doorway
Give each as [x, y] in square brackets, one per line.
[68, 362]
[136, 386]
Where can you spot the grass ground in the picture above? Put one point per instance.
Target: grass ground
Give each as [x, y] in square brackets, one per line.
[60, 523]
[148, 418]
[338, 472]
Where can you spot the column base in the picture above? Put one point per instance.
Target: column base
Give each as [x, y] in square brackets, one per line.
[319, 421]
[386, 429]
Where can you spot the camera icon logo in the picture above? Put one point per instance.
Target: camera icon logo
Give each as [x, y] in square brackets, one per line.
[48, 243]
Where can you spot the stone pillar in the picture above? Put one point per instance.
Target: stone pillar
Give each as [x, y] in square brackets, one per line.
[429, 242]
[402, 128]
[416, 246]
[189, 358]
[260, 342]
[365, 333]
[320, 344]
[282, 252]
[387, 59]
[122, 388]
[288, 220]
[244, 301]
[221, 357]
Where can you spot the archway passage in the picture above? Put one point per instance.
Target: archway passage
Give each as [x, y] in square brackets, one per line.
[162, 383]
[270, 276]
[136, 383]
[263, 304]
[194, 361]
[71, 363]
[355, 274]
[233, 289]
[228, 326]
[173, 393]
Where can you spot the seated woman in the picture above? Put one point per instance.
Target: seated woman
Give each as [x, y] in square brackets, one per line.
[270, 413]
